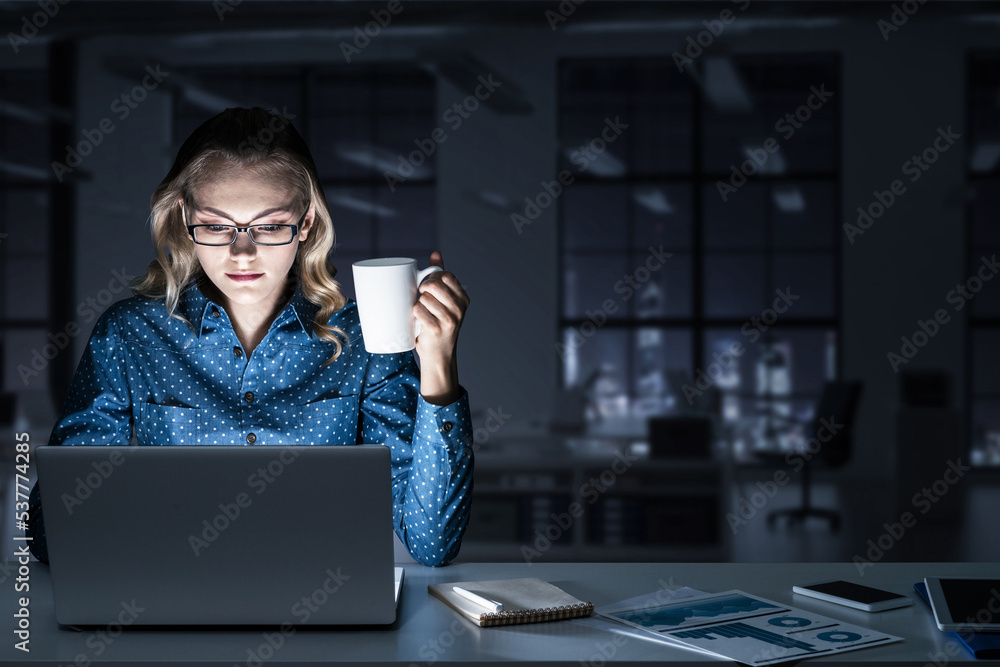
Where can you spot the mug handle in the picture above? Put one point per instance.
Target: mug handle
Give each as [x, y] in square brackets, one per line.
[426, 272]
[420, 278]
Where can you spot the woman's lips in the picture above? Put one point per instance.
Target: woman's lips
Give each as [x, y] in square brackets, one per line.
[244, 277]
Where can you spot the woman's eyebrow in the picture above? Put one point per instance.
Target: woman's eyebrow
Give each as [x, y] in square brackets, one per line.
[266, 212]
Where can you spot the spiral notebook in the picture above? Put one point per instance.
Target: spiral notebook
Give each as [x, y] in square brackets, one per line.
[529, 600]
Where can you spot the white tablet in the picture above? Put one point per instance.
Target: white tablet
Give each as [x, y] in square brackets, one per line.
[965, 604]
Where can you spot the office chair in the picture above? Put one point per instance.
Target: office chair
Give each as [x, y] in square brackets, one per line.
[838, 403]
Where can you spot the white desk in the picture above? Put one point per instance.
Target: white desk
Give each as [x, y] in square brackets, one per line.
[427, 632]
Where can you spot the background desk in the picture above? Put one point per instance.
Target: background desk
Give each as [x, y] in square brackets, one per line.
[654, 511]
[428, 632]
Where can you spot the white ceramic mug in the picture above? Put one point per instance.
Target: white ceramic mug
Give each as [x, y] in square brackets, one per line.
[386, 291]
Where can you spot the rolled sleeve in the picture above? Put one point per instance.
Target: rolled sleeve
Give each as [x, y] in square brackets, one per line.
[432, 459]
[446, 425]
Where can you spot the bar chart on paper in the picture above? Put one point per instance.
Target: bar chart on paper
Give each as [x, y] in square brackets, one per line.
[748, 629]
[696, 612]
[735, 630]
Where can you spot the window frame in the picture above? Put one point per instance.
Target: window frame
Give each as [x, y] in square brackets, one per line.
[308, 79]
[698, 323]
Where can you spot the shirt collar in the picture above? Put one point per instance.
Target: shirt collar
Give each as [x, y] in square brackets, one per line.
[201, 311]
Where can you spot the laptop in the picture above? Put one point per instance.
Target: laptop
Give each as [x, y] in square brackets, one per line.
[220, 535]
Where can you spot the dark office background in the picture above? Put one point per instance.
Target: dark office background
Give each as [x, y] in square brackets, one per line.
[653, 335]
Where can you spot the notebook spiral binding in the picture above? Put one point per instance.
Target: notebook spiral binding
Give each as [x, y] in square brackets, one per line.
[519, 616]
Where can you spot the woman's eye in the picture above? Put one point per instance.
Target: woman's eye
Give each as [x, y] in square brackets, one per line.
[218, 229]
[269, 229]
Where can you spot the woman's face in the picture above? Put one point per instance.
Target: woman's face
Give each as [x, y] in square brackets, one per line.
[245, 273]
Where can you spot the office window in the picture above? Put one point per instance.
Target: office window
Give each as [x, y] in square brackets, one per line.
[983, 239]
[702, 220]
[25, 229]
[360, 124]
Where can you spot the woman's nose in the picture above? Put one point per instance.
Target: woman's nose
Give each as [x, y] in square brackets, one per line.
[242, 245]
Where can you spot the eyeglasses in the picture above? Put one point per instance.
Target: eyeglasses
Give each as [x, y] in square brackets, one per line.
[219, 235]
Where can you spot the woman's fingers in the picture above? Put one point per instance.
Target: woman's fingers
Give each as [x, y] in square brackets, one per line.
[445, 293]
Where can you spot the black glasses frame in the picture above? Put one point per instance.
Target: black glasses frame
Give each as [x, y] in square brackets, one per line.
[294, 228]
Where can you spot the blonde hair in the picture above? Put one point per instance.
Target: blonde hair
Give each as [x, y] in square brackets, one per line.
[264, 145]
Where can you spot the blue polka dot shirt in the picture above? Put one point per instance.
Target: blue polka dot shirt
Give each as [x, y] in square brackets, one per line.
[175, 386]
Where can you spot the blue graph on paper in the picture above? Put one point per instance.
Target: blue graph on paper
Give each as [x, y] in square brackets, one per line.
[738, 630]
[745, 628]
[684, 613]
[789, 622]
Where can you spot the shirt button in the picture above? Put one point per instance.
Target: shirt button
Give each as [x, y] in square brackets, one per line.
[251, 438]
[447, 426]
[248, 397]
[215, 313]
[238, 352]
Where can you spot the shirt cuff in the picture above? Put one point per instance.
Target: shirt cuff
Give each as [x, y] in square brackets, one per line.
[449, 425]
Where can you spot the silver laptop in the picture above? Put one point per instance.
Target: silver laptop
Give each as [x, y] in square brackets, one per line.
[218, 535]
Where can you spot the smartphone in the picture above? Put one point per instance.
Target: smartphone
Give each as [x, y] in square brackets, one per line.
[854, 595]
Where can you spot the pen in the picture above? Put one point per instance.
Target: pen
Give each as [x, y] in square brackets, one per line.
[492, 605]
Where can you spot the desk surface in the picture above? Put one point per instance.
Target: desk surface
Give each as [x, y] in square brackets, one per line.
[427, 632]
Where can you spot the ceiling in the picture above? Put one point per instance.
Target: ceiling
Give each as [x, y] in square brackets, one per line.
[87, 18]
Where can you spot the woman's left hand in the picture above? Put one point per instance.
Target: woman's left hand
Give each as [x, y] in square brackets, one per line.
[440, 310]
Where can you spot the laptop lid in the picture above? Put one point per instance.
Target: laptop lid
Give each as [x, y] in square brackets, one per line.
[219, 535]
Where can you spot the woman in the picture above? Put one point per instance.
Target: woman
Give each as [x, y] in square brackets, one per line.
[238, 334]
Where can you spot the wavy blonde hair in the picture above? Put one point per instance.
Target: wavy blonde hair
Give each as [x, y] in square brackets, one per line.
[260, 144]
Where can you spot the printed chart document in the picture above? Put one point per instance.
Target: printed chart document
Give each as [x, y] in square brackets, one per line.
[743, 627]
